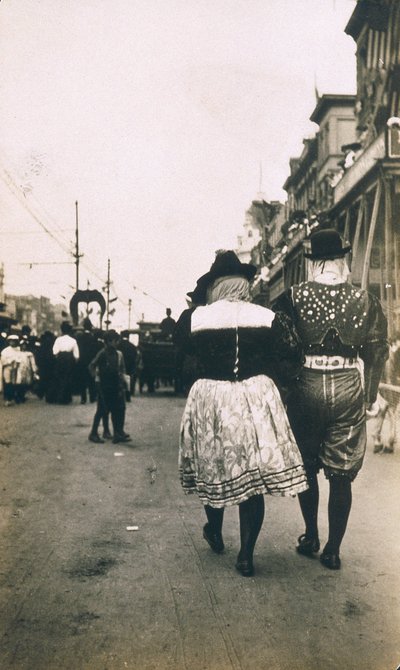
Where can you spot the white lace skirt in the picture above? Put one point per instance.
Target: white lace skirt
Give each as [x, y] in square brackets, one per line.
[236, 442]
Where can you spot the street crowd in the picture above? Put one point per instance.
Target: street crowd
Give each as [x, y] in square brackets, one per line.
[94, 365]
[273, 396]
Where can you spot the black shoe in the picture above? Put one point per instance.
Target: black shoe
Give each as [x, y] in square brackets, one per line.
[307, 545]
[96, 439]
[329, 560]
[107, 435]
[214, 539]
[378, 447]
[121, 438]
[245, 568]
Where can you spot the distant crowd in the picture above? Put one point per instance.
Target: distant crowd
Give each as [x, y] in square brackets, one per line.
[56, 368]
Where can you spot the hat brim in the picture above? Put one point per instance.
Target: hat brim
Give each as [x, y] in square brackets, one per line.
[327, 257]
[247, 271]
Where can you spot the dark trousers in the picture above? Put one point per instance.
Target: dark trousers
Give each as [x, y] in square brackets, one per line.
[101, 414]
[113, 401]
[87, 383]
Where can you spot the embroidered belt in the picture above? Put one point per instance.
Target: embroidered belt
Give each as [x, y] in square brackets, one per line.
[330, 362]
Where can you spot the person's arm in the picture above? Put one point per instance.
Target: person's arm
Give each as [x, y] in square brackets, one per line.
[33, 365]
[56, 346]
[375, 350]
[75, 350]
[288, 348]
[121, 363]
[92, 367]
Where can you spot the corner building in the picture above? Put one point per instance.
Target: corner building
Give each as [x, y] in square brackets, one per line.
[366, 200]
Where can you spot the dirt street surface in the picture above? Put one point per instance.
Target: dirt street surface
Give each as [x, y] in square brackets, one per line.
[78, 591]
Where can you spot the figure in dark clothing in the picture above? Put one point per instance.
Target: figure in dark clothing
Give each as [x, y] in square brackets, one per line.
[129, 352]
[88, 348]
[108, 369]
[3, 341]
[167, 326]
[187, 364]
[45, 361]
[235, 440]
[343, 331]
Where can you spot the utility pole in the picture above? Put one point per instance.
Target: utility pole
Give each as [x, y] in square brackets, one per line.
[108, 282]
[87, 304]
[129, 313]
[77, 255]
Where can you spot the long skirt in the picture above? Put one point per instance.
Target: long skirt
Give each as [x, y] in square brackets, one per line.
[63, 374]
[236, 442]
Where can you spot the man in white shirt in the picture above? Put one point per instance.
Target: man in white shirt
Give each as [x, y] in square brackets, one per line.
[66, 351]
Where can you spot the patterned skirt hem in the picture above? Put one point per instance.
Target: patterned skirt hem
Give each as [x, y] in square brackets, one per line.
[235, 491]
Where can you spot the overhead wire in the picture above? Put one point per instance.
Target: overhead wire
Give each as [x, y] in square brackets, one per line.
[65, 245]
[9, 182]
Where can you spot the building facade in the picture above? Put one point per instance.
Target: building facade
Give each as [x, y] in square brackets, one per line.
[261, 230]
[310, 188]
[348, 175]
[37, 313]
[366, 204]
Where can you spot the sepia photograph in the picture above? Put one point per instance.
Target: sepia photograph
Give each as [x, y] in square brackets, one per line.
[199, 334]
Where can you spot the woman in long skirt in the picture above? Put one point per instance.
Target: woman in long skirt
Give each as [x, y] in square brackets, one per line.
[235, 441]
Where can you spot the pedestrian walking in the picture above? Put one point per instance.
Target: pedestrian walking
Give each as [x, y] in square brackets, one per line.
[26, 371]
[129, 352]
[66, 352]
[344, 332]
[45, 361]
[88, 348]
[236, 443]
[187, 371]
[387, 405]
[109, 369]
[9, 359]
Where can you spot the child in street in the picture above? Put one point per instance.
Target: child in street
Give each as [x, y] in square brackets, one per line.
[109, 369]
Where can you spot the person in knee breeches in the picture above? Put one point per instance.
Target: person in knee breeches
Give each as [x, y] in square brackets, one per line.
[344, 334]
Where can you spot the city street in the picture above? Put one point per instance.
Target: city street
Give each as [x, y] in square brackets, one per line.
[79, 591]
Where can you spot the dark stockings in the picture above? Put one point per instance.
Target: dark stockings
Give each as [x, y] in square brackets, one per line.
[215, 517]
[309, 501]
[338, 511]
[251, 517]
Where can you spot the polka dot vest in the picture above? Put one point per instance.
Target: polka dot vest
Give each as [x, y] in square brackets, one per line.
[320, 308]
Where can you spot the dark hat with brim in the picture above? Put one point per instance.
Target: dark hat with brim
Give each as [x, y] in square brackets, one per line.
[226, 264]
[326, 245]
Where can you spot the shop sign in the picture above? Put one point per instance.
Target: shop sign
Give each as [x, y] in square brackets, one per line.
[360, 167]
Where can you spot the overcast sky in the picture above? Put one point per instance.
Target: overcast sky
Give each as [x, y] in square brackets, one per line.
[155, 115]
